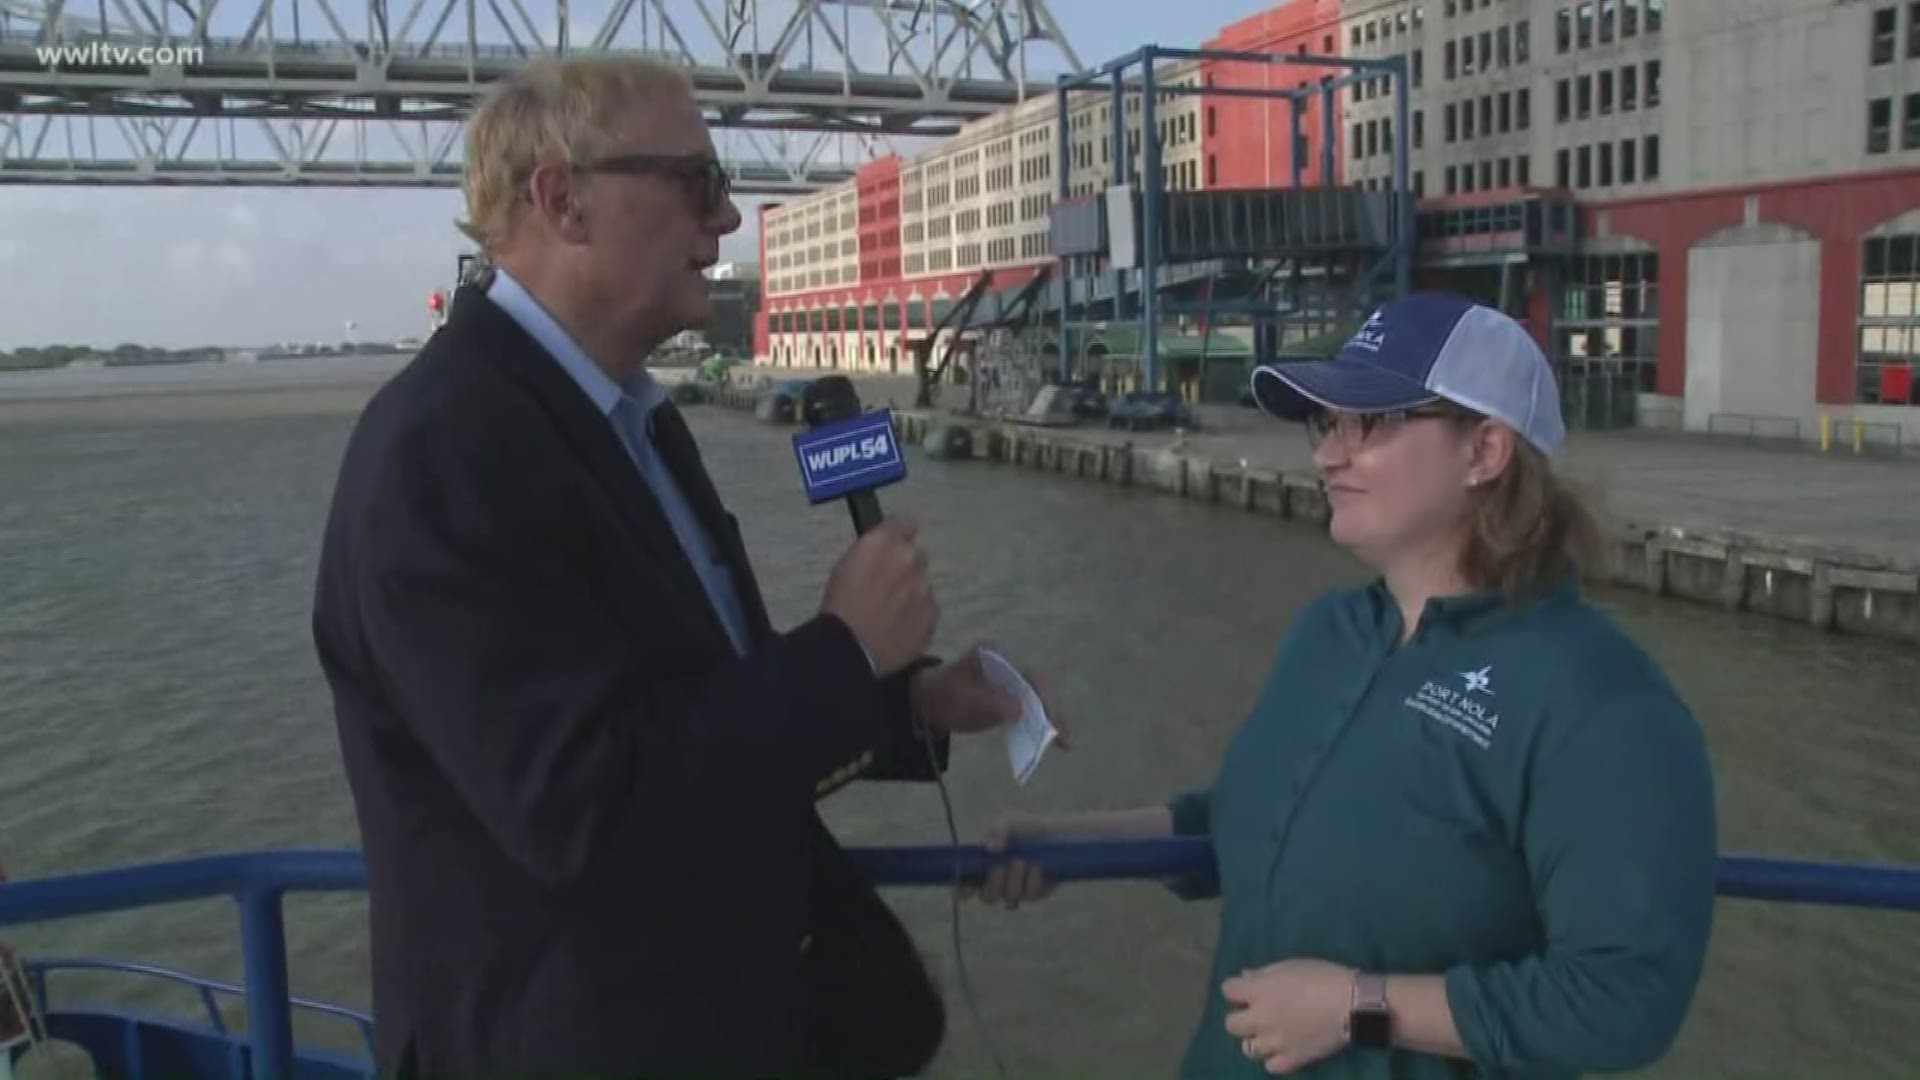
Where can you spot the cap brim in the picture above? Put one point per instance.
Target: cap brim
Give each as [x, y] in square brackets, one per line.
[1291, 391]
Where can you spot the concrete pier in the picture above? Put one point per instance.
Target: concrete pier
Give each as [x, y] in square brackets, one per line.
[1828, 587]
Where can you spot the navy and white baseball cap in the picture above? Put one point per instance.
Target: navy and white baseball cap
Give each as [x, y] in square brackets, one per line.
[1418, 349]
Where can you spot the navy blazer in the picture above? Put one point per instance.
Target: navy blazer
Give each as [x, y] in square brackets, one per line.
[590, 826]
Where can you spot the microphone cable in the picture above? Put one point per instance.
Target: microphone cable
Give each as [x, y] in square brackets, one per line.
[959, 954]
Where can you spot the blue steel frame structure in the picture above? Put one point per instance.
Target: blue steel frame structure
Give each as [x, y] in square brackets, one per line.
[1400, 252]
[259, 881]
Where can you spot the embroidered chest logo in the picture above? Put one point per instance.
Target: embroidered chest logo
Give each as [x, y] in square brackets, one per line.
[1463, 707]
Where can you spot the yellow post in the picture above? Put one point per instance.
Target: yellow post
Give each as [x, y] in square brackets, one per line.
[1826, 430]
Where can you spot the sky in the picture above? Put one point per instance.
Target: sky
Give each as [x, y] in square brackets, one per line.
[180, 267]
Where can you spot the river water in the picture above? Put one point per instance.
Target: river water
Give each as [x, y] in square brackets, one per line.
[159, 698]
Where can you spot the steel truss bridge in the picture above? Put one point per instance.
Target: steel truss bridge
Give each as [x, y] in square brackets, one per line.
[375, 93]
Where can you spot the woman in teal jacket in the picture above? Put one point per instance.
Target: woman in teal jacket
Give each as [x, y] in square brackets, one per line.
[1467, 822]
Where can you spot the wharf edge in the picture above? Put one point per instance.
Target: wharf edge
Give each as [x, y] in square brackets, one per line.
[1824, 588]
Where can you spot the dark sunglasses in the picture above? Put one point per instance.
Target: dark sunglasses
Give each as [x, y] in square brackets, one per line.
[1324, 422]
[704, 176]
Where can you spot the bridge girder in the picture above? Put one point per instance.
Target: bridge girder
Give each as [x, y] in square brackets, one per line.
[145, 76]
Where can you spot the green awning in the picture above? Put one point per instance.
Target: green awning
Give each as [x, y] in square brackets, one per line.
[1125, 343]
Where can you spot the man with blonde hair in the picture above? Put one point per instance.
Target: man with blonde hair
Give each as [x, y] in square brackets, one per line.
[585, 764]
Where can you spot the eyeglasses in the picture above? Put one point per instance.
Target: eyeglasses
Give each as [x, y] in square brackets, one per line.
[705, 177]
[1359, 428]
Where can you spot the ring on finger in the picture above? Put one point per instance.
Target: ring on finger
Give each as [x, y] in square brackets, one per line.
[1246, 1047]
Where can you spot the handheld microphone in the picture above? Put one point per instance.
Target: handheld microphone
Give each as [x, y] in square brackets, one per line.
[846, 451]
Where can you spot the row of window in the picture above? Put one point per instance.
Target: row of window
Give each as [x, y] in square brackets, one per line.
[1490, 114]
[1501, 48]
[1886, 33]
[1593, 166]
[1574, 99]
[1581, 26]
[1492, 175]
[1880, 124]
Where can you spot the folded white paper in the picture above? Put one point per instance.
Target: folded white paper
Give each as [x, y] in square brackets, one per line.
[1028, 737]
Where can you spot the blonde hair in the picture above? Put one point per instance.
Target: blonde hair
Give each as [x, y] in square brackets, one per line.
[552, 110]
[1528, 528]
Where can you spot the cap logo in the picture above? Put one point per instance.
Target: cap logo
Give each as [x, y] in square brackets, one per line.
[1372, 335]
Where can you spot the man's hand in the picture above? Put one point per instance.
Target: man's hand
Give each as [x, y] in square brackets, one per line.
[879, 589]
[958, 698]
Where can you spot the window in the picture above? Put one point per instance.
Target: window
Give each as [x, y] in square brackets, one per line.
[1889, 323]
[1486, 115]
[1563, 168]
[1583, 25]
[1606, 164]
[1629, 18]
[1419, 184]
[1653, 83]
[1486, 175]
[1655, 9]
[1466, 120]
[1627, 160]
[1562, 102]
[1910, 127]
[1419, 129]
[1650, 158]
[1359, 145]
[1506, 172]
[1879, 125]
[1453, 183]
[1562, 30]
[1629, 84]
[1583, 97]
[1606, 22]
[1452, 56]
[1584, 159]
[1525, 162]
[1609, 328]
[1486, 50]
[1452, 130]
[1419, 69]
[1506, 112]
[1883, 29]
[1913, 29]
[1606, 93]
[1525, 119]
[1520, 41]
[1503, 47]
[1466, 55]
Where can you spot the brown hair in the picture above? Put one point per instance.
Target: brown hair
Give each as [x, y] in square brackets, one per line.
[1528, 528]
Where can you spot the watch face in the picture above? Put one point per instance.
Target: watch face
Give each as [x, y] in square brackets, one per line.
[1371, 1028]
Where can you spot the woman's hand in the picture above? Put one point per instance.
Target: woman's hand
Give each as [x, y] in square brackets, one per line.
[1012, 880]
[1290, 1014]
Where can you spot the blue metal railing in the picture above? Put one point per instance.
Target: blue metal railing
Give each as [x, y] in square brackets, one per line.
[258, 880]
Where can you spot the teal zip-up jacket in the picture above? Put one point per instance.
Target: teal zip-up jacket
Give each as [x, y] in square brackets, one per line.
[1515, 799]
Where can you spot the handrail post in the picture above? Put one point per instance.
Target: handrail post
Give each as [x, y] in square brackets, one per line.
[263, 946]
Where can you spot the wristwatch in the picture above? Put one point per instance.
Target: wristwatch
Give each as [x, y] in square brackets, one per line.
[1369, 1024]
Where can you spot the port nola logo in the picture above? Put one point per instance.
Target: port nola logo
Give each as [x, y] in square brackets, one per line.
[1371, 335]
[1465, 708]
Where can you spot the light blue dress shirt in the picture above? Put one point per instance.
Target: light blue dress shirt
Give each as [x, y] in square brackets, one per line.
[630, 410]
